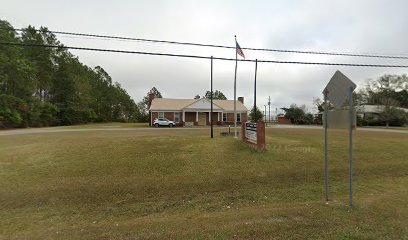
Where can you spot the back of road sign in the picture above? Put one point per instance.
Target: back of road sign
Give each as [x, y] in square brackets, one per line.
[340, 119]
[338, 89]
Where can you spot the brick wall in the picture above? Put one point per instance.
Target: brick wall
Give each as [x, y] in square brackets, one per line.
[154, 116]
[230, 119]
[283, 120]
[168, 115]
[244, 117]
[190, 117]
[214, 118]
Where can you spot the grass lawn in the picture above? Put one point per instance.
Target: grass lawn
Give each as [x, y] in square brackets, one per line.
[105, 125]
[390, 127]
[180, 184]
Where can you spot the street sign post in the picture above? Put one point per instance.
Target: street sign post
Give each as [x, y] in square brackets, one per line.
[339, 89]
[339, 119]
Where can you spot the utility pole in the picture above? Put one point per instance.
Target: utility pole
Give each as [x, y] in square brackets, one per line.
[269, 103]
[351, 145]
[265, 113]
[256, 67]
[211, 114]
[326, 172]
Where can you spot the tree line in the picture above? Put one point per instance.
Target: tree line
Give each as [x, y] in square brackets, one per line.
[390, 92]
[50, 86]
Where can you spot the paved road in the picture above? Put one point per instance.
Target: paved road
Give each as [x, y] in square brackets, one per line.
[116, 128]
[102, 128]
[358, 129]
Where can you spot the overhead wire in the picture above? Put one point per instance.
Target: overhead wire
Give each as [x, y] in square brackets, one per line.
[389, 56]
[201, 57]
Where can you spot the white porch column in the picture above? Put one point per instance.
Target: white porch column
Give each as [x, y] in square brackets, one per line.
[209, 116]
[196, 116]
[218, 116]
[184, 116]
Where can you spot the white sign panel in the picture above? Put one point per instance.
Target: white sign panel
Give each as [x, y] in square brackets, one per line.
[338, 89]
[250, 132]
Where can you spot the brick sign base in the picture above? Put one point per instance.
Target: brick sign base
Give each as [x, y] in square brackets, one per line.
[260, 134]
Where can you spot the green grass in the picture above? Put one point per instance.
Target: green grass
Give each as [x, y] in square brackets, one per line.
[390, 127]
[172, 184]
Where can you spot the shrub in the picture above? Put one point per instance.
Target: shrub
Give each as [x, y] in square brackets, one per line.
[13, 111]
[43, 114]
[9, 117]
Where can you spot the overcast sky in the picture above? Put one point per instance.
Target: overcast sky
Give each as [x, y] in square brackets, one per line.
[339, 26]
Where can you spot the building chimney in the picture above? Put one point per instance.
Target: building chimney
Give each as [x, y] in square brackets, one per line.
[151, 97]
[241, 99]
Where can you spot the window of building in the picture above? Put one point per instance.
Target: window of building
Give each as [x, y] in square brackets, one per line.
[238, 117]
[224, 117]
[176, 117]
[161, 114]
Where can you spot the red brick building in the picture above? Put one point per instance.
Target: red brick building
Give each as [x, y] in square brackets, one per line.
[283, 120]
[196, 112]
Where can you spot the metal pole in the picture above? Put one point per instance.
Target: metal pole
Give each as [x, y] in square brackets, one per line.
[326, 173]
[351, 145]
[211, 116]
[235, 89]
[269, 103]
[256, 67]
[265, 113]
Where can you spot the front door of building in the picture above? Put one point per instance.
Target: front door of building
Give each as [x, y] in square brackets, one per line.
[201, 119]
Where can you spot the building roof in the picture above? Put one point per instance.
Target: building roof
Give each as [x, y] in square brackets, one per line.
[376, 108]
[171, 104]
[228, 105]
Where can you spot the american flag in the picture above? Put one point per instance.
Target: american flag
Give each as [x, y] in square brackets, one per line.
[239, 50]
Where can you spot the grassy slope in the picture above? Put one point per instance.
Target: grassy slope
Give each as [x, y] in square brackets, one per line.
[181, 184]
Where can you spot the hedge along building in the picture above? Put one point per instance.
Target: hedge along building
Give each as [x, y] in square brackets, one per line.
[189, 112]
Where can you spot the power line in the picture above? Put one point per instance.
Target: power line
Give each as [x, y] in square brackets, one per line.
[202, 57]
[227, 47]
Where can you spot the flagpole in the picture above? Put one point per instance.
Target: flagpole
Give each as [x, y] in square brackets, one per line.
[256, 68]
[235, 89]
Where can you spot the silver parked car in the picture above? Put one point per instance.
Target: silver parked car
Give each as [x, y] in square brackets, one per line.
[163, 122]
